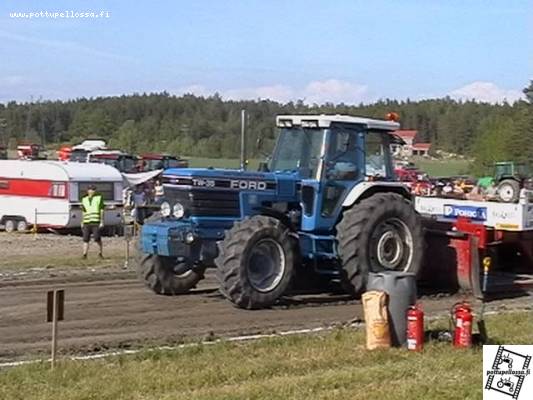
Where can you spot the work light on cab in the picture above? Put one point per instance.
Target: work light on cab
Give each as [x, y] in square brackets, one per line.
[392, 116]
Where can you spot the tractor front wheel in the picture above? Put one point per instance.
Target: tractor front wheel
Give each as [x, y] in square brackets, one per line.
[381, 233]
[160, 274]
[255, 262]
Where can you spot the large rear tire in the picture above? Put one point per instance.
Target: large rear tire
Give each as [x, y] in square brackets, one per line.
[381, 233]
[158, 274]
[255, 262]
[509, 190]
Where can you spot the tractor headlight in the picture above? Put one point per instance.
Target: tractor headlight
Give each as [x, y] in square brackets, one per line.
[178, 211]
[165, 209]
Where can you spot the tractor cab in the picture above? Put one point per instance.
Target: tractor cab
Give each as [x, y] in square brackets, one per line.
[509, 169]
[331, 155]
[115, 158]
[155, 161]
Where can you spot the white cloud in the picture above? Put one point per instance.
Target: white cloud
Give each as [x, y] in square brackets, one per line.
[320, 92]
[335, 91]
[198, 90]
[279, 93]
[486, 92]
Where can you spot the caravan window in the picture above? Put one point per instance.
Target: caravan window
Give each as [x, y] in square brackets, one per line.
[58, 189]
[104, 188]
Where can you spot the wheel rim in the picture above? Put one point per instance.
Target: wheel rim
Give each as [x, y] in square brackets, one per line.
[392, 244]
[266, 265]
[506, 192]
[22, 226]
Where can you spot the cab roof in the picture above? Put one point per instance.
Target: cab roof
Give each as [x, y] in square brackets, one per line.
[325, 121]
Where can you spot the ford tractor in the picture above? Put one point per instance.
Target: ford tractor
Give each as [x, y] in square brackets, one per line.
[326, 204]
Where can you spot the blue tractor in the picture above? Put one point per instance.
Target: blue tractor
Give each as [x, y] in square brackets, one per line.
[326, 204]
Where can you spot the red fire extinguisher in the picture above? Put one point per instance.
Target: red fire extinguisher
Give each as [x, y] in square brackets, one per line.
[415, 328]
[462, 315]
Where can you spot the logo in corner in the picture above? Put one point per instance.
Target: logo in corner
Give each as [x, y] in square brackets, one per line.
[506, 371]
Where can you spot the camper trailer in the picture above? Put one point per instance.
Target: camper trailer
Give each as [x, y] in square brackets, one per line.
[48, 193]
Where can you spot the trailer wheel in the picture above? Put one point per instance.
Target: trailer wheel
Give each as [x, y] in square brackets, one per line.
[10, 225]
[22, 226]
[255, 262]
[509, 191]
[381, 233]
[158, 274]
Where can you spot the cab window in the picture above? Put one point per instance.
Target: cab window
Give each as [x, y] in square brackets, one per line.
[375, 155]
[343, 155]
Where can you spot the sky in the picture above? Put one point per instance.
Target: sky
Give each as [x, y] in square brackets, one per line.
[349, 51]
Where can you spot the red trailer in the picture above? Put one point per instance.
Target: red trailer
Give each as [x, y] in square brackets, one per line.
[464, 237]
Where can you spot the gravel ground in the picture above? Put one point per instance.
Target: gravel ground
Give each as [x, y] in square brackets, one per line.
[48, 254]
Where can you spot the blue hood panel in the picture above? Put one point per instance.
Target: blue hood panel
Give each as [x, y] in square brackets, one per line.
[221, 173]
[232, 180]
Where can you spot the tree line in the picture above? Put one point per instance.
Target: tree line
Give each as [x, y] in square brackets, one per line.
[210, 126]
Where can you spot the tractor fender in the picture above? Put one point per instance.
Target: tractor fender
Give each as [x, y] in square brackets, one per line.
[367, 189]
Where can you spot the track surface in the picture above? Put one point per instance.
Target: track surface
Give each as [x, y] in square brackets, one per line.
[116, 311]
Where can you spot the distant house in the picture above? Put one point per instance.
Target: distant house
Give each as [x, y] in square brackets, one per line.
[411, 147]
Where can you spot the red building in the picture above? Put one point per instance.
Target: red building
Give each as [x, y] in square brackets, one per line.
[412, 146]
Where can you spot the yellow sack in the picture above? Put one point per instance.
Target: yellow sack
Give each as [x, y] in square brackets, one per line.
[376, 318]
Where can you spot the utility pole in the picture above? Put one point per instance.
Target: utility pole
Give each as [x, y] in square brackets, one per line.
[28, 119]
[243, 140]
[41, 121]
[3, 136]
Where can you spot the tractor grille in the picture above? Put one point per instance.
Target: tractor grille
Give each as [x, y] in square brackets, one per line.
[205, 203]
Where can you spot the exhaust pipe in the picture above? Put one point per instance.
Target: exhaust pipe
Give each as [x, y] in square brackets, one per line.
[243, 140]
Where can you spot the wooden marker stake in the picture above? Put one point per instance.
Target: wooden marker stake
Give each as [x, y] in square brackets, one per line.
[55, 312]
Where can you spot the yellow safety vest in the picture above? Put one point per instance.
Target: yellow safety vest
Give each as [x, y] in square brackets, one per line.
[92, 206]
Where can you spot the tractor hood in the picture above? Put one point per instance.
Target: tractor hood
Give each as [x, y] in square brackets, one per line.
[232, 180]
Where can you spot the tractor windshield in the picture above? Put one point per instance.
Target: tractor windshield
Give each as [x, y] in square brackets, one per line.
[298, 150]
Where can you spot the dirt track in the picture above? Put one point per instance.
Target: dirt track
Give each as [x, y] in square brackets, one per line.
[117, 311]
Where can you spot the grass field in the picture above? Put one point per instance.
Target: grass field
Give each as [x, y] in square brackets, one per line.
[329, 366]
[444, 167]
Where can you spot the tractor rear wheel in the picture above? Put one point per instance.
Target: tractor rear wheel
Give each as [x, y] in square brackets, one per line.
[159, 274]
[381, 233]
[509, 190]
[255, 262]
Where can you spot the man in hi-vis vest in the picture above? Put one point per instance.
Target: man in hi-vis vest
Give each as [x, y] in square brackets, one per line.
[93, 219]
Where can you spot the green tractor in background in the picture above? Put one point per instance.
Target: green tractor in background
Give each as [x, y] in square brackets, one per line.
[509, 178]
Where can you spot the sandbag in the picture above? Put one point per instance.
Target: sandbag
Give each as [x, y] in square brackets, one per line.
[376, 319]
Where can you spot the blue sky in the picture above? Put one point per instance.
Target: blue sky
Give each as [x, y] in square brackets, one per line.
[337, 50]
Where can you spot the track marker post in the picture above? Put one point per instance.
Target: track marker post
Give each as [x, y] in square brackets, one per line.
[128, 235]
[55, 307]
